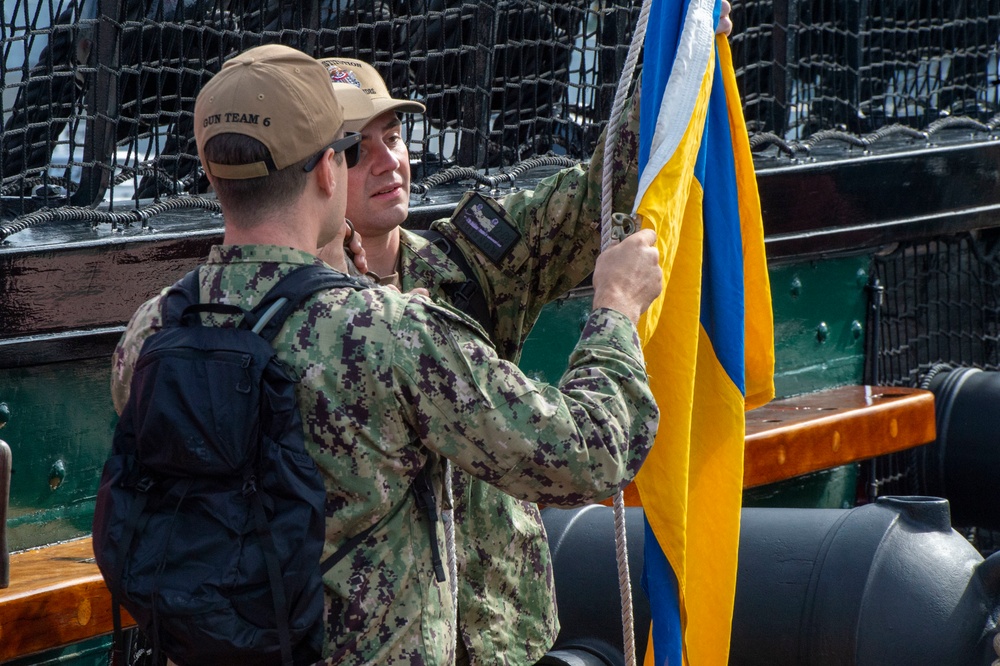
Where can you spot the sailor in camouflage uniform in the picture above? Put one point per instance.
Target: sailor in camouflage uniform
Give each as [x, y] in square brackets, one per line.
[537, 245]
[390, 380]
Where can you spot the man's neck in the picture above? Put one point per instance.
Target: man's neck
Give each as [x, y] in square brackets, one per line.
[267, 232]
[382, 252]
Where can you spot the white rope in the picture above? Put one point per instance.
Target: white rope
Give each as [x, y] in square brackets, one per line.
[611, 138]
[621, 543]
[624, 580]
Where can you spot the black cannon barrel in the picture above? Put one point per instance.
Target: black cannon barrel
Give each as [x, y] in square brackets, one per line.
[582, 542]
[963, 463]
[884, 584]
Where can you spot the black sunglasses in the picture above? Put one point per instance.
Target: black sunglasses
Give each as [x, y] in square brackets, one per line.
[350, 146]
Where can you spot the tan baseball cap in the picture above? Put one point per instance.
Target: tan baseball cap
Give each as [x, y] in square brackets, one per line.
[279, 96]
[365, 77]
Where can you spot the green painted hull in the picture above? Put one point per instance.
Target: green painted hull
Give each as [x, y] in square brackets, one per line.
[88, 653]
[59, 433]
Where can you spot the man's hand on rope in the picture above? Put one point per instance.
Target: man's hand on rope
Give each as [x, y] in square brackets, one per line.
[627, 277]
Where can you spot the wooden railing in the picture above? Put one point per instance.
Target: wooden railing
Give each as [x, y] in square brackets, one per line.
[815, 431]
[57, 596]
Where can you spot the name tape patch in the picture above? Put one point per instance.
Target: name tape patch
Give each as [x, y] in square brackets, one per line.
[484, 223]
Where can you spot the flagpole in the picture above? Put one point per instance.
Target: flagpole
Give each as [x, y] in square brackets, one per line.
[611, 138]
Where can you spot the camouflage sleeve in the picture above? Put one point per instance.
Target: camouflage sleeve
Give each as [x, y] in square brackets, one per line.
[144, 322]
[561, 445]
[561, 218]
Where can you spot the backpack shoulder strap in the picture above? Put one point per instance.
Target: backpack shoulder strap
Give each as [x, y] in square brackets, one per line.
[468, 296]
[422, 488]
[183, 293]
[291, 291]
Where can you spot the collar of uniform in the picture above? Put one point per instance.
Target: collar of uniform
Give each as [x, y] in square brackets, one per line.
[226, 254]
[424, 264]
[390, 280]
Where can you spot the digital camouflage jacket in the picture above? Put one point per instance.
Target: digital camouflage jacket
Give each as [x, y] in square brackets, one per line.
[388, 380]
[546, 244]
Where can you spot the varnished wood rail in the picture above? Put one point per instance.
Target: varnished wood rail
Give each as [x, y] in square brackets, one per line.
[57, 596]
[825, 429]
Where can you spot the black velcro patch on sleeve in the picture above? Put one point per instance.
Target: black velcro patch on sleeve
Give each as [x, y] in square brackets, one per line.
[485, 224]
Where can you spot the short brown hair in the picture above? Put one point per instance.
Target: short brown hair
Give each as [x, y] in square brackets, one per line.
[249, 198]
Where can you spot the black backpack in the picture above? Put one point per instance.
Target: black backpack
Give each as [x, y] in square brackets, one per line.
[209, 523]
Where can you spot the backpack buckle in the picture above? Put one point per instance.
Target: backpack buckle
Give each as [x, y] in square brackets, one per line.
[144, 484]
[462, 296]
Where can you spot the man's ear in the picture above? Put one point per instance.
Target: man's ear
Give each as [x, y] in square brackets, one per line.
[326, 176]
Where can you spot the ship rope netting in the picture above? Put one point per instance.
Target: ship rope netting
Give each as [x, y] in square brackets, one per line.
[98, 94]
[941, 304]
[939, 308]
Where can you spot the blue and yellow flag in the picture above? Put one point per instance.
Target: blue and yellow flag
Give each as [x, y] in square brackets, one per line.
[709, 340]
